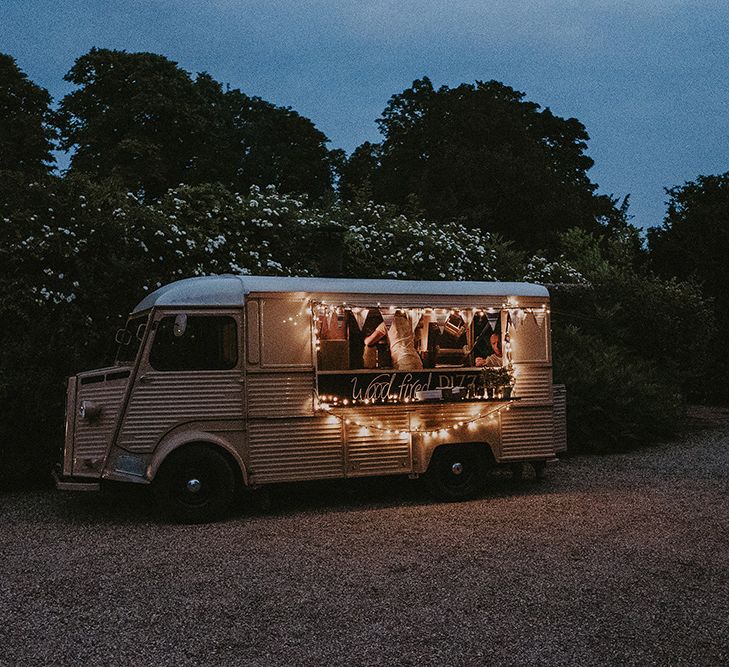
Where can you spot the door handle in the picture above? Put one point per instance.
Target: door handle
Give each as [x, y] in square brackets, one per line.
[145, 379]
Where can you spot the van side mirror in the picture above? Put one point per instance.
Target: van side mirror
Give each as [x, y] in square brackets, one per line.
[123, 337]
[180, 325]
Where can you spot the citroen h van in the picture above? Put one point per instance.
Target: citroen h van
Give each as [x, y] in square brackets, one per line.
[225, 382]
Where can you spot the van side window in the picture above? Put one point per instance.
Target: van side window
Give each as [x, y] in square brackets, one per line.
[207, 343]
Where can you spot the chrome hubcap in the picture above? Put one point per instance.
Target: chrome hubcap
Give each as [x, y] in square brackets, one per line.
[193, 485]
[457, 468]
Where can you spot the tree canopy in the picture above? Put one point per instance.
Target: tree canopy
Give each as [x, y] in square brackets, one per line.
[173, 176]
[25, 133]
[693, 241]
[141, 119]
[481, 153]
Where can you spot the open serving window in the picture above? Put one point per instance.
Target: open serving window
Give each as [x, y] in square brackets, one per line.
[374, 354]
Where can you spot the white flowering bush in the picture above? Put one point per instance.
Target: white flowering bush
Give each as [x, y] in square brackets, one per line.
[109, 247]
[77, 259]
[557, 273]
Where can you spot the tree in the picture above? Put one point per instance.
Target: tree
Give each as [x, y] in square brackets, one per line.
[358, 171]
[693, 242]
[278, 147]
[26, 137]
[141, 119]
[481, 152]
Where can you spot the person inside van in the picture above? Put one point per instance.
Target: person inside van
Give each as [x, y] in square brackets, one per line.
[496, 357]
[402, 342]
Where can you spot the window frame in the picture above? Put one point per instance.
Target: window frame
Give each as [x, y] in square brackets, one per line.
[160, 316]
[317, 340]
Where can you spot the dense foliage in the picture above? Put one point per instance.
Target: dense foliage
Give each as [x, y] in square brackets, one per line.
[173, 176]
[145, 121]
[621, 344]
[77, 264]
[25, 132]
[482, 153]
[693, 243]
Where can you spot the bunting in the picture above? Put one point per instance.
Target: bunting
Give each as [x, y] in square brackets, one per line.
[360, 315]
[440, 319]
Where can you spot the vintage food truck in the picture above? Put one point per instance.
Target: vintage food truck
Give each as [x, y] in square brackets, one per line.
[225, 382]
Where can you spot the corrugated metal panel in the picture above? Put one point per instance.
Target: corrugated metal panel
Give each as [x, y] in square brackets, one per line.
[278, 395]
[373, 451]
[70, 426]
[560, 418]
[292, 449]
[527, 433]
[91, 439]
[445, 415]
[533, 383]
[169, 398]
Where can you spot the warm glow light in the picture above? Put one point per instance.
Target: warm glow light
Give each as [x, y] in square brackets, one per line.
[442, 430]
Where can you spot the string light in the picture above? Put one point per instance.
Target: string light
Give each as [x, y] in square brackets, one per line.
[429, 432]
[334, 401]
[510, 305]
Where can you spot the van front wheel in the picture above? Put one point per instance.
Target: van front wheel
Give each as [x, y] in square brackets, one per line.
[194, 485]
[455, 472]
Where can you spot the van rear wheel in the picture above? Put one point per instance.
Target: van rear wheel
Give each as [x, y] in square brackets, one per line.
[194, 485]
[455, 473]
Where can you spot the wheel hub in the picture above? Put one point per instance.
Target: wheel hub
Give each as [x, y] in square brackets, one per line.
[193, 485]
[457, 468]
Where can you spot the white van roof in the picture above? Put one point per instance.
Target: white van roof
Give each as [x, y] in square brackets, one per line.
[230, 290]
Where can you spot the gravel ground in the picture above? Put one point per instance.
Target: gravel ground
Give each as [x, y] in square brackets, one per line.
[619, 560]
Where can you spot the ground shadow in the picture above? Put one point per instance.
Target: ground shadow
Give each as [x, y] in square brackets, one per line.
[131, 504]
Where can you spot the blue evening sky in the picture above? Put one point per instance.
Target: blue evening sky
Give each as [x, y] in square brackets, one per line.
[648, 78]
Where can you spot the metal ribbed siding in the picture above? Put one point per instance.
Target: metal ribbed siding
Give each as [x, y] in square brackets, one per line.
[274, 395]
[173, 397]
[91, 439]
[527, 433]
[448, 414]
[560, 418]
[374, 452]
[533, 384]
[292, 449]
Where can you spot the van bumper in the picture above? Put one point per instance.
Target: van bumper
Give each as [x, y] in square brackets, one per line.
[74, 483]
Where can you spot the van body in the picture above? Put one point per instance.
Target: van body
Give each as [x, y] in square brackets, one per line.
[228, 381]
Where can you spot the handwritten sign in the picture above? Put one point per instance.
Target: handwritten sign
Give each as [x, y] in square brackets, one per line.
[392, 386]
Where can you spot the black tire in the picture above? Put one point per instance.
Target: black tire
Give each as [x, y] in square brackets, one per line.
[539, 468]
[194, 485]
[456, 472]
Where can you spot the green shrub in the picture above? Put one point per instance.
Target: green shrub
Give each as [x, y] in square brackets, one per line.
[615, 400]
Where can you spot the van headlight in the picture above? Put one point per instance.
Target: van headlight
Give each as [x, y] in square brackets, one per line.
[89, 411]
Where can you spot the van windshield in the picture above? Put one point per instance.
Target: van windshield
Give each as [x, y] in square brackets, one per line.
[130, 338]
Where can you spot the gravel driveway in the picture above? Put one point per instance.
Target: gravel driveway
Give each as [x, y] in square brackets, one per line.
[613, 560]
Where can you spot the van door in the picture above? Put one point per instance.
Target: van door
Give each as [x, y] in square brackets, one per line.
[190, 372]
